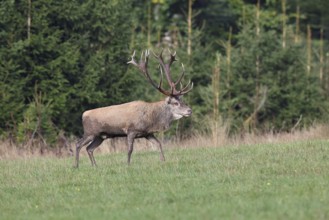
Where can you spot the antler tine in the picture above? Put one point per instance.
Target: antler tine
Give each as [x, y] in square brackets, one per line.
[161, 62]
[180, 86]
[142, 66]
[146, 58]
[186, 89]
[188, 84]
[166, 68]
[172, 57]
[161, 77]
[132, 61]
[147, 54]
[161, 54]
[168, 65]
[181, 76]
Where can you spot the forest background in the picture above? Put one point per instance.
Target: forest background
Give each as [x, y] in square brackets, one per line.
[257, 66]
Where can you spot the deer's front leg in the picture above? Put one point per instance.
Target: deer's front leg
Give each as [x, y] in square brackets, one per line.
[155, 141]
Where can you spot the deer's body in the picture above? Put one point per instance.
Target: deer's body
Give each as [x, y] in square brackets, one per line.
[134, 119]
[141, 117]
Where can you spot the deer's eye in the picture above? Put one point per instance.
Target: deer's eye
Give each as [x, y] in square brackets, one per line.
[175, 104]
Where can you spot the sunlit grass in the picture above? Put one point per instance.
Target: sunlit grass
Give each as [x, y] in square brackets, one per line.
[270, 181]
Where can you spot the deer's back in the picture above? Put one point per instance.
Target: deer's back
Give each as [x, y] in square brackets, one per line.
[118, 119]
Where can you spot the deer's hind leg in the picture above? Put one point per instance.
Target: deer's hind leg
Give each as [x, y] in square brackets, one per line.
[91, 147]
[82, 142]
[130, 144]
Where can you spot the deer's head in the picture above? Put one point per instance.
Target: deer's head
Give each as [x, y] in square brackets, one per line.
[174, 95]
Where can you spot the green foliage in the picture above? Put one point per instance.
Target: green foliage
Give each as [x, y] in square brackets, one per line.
[290, 93]
[37, 125]
[76, 52]
[276, 181]
[268, 87]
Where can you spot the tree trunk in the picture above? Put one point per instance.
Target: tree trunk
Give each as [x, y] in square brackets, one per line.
[284, 31]
[189, 30]
[321, 56]
[309, 49]
[297, 24]
[255, 119]
[149, 17]
[216, 93]
[29, 3]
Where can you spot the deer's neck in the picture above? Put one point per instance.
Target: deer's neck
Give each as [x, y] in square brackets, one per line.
[161, 116]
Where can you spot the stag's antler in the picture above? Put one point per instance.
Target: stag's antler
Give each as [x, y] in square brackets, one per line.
[142, 66]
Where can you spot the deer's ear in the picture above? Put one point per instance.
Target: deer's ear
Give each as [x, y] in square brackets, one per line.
[168, 99]
[179, 97]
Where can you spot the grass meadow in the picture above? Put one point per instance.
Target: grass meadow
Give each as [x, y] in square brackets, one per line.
[254, 181]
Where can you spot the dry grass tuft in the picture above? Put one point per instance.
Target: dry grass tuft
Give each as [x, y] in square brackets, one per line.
[9, 150]
[318, 132]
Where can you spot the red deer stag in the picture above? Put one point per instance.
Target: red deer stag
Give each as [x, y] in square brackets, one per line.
[136, 119]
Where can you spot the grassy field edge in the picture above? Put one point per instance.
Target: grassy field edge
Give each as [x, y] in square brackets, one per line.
[272, 181]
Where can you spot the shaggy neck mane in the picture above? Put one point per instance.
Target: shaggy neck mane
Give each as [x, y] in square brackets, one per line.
[159, 115]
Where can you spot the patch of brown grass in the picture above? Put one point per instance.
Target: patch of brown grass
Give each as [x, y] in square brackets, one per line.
[11, 151]
[317, 132]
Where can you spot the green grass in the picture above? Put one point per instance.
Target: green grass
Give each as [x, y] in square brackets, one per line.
[281, 181]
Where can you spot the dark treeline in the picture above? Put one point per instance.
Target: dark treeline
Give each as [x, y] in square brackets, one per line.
[256, 65]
